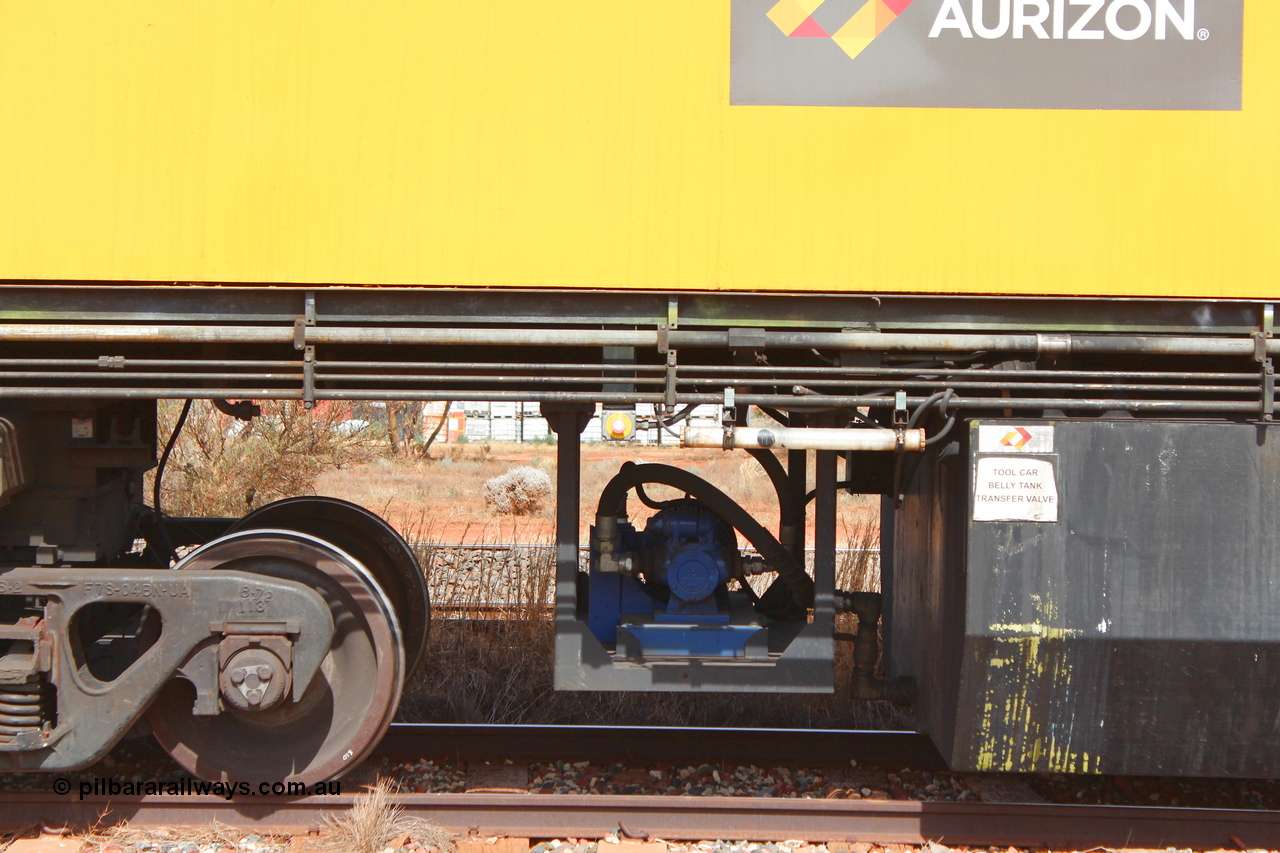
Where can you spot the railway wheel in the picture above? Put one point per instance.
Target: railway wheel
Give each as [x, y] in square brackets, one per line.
[347, 706]
[373, 542]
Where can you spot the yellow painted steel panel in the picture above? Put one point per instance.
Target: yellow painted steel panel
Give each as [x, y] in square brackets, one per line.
[585, 144]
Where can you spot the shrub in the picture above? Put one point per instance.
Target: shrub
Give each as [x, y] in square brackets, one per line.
[520, 491]
[224, 467]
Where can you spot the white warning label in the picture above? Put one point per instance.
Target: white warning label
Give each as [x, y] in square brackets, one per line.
[1015, 488]
[1002, 438]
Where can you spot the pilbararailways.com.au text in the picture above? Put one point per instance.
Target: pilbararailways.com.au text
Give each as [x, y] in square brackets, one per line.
[188, 786]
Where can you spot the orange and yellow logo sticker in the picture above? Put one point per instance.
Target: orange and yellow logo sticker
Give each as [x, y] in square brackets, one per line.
[1017, 438]
[795, 19]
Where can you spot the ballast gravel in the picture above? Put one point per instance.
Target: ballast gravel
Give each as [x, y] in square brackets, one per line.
[744, 780]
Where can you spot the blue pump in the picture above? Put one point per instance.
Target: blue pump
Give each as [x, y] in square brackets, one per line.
[689, 548]
[675, 600]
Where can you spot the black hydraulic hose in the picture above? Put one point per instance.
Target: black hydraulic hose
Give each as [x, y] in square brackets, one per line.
[775, 556]
[666, 424]
[788, 510]
[679, 416]
[170, 551]
[651, 503]
[901, 483]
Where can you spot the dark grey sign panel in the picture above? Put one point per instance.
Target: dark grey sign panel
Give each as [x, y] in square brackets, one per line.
[1029, 54]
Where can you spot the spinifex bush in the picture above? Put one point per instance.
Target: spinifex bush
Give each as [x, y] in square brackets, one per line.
[520, 491]
[221, 466]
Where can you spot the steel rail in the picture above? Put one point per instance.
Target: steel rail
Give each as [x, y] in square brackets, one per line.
[1020, 386]
[124, 362]
[534, 816]
[492, 365]
[778, 401]
[892, 372]
[822, 746]
[532, 380]
[670, 817]
[691, 372]
[121, 375]
[254, 302]
[683, 380]
[1054, 345]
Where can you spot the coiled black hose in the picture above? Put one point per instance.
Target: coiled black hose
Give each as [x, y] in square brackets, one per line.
[775, 556]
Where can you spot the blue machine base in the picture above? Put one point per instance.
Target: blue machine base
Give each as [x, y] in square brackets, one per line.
[691, 640]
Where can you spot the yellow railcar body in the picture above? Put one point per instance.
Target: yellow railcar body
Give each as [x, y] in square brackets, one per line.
[575, 143]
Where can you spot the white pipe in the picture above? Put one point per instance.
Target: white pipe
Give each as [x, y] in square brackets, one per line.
[805, 438]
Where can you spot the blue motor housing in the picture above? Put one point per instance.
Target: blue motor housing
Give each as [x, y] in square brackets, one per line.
[689, 549]
[681, 569]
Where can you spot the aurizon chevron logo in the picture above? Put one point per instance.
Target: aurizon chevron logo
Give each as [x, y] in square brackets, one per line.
[1020, 18]
[795, 19]
[1016, 439]
[1002, 54]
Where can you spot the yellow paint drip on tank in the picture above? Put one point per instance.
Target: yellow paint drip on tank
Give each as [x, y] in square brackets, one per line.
[1014, 734]
[1035, 630]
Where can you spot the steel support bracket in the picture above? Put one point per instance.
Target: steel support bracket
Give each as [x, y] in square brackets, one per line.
[669, 387]
[1267, 367]
[900, 415]
[728, 418]
[307, 320]
[309, 377]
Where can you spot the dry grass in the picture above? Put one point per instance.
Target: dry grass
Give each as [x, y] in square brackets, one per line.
[373, 822]
[858, 563]
[480, 669]
[501, 671]
[160, 838]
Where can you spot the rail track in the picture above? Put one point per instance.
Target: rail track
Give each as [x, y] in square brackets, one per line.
[894, 748]
[676, 818]
[683, 818]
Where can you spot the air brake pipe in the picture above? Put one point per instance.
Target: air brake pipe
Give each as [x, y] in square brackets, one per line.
[716, 382]
[775, 400]
[1050, 345]
[804, 438]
